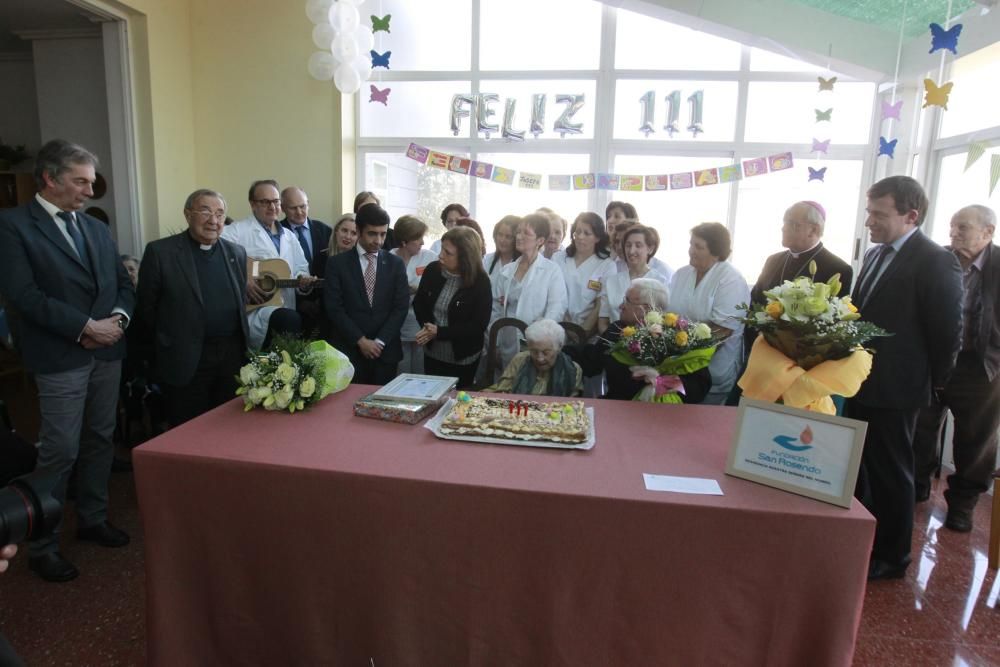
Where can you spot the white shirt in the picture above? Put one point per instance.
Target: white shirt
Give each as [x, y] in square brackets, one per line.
[657, 265]
[495, 273]
[250, 234]
[714, 300]
[613, 292]
[541, 294]
[414, 271]
[584, 283]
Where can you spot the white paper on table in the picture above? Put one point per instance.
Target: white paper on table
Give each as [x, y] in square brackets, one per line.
[699, 485]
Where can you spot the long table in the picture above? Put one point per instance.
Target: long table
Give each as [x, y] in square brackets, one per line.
[322, 538]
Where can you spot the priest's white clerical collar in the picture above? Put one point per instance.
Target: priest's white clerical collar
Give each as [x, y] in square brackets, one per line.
[796, 255]
[205, 247]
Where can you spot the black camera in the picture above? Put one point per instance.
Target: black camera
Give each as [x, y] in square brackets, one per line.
[27, 509]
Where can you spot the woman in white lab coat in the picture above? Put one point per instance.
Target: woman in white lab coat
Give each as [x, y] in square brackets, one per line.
[709, 290]
[638, 245]
[586, 265]
[503, 239]
[258, 243]
[530, 288]
[409, 233]
[450, 214]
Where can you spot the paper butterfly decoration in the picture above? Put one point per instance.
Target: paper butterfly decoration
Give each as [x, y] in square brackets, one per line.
[817, 174]
[381, 23]
[891, 110]
[887, 147]
[936, 95]
[380, 95]
[820, 146]
[380, 60]
[823, 115]
[826, 84]
[945, 39]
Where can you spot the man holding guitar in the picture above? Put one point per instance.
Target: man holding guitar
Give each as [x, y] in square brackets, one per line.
[264, 238]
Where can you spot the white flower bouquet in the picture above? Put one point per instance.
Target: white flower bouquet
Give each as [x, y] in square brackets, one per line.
[293, 374]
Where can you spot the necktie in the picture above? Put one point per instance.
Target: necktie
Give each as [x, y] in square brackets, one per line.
[872, 275]
[77, 236]
[300, 231]
[370, 276]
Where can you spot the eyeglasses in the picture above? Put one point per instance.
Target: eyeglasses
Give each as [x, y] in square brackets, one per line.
[268, 202]
[206, 214]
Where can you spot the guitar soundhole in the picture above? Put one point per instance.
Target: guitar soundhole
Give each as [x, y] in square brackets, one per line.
[267, 283]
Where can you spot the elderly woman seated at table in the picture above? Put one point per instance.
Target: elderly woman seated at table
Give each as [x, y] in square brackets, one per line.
[543, 369]
[642, 296]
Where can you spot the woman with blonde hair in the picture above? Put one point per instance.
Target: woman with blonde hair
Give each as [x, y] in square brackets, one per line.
[344, 236]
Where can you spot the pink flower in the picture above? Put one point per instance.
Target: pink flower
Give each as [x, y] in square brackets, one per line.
[682, 323]
[633, 346]
[656, 330]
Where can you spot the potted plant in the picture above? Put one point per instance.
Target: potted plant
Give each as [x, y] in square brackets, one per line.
[11, 155]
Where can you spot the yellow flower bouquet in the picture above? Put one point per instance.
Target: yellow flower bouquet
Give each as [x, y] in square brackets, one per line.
[665, 347]
[810, 345]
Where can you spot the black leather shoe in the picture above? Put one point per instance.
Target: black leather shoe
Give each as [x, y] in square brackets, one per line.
[959, 520]
[104, 534]
[880, 569]
[53, 567]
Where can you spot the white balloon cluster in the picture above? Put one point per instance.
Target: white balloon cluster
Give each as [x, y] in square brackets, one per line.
[345, 42]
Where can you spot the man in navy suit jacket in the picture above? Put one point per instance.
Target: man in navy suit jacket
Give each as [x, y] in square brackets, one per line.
[70, 299]
[912, 288]
[314, 237]
[366, 297]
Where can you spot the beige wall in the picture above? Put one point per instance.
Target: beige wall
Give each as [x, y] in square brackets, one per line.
[257, 112]
[223, 98]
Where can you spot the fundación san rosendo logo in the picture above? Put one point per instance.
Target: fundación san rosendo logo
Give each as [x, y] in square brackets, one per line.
[789, 441]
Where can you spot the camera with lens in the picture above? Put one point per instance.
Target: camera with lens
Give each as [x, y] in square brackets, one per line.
[27, 509]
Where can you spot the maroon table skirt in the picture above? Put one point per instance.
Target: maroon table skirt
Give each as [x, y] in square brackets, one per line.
[322, 538]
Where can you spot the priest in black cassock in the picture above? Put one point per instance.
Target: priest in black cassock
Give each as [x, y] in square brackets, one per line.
[801, 234]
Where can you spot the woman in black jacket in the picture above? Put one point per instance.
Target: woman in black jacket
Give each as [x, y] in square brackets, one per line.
[452, 305]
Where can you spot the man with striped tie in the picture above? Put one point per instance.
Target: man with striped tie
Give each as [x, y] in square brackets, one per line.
[912, 288]
[366, 297]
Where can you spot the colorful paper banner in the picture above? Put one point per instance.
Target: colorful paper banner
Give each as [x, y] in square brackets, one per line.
[755, 167]
[418, 153]
[560, 182]
[706, 177]
[482, 169]
[994, 172]
[630, 183]
[780, 161]
[681, 181]
[530, 181]
[607, 181]
[976, 150]
[583, 181]
[502, 175]
[658, 182]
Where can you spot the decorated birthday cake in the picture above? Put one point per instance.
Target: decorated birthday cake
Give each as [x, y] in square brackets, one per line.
[517, 419]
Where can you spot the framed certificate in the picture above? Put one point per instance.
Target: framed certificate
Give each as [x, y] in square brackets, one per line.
[414, 388]
[798, 451]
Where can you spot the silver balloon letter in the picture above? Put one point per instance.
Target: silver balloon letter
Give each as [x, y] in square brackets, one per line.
[537, 114]
[458, 112]
[483, 113]
[673, 101]
[647, 104]
[563, 125]
[696, 100]
[508, 132]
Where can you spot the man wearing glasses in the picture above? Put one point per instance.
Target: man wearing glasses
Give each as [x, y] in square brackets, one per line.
[190, 307]
[263, 237]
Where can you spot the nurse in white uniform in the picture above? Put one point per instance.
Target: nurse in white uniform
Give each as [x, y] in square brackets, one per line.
[408, 233]
[450, 214]
[263, 238]
[638, 245]
[708, 290]
[586, 265]
[530, 288]
[503, 239]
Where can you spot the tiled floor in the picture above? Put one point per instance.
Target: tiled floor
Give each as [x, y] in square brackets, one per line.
[944, 613]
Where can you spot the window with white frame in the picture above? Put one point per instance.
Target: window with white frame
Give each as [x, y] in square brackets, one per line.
[749, 103]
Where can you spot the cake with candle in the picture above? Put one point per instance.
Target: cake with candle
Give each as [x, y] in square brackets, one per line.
[493, 417]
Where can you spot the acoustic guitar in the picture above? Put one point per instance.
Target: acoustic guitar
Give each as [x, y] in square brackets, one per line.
[272, 275]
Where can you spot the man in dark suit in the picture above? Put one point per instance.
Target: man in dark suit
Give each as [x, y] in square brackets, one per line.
[912, 288]
[70, 300]
[192, 291]
[314, 237]
[973, 392]
[366, 297]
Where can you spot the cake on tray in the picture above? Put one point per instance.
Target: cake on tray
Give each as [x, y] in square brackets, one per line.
[517, 419]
